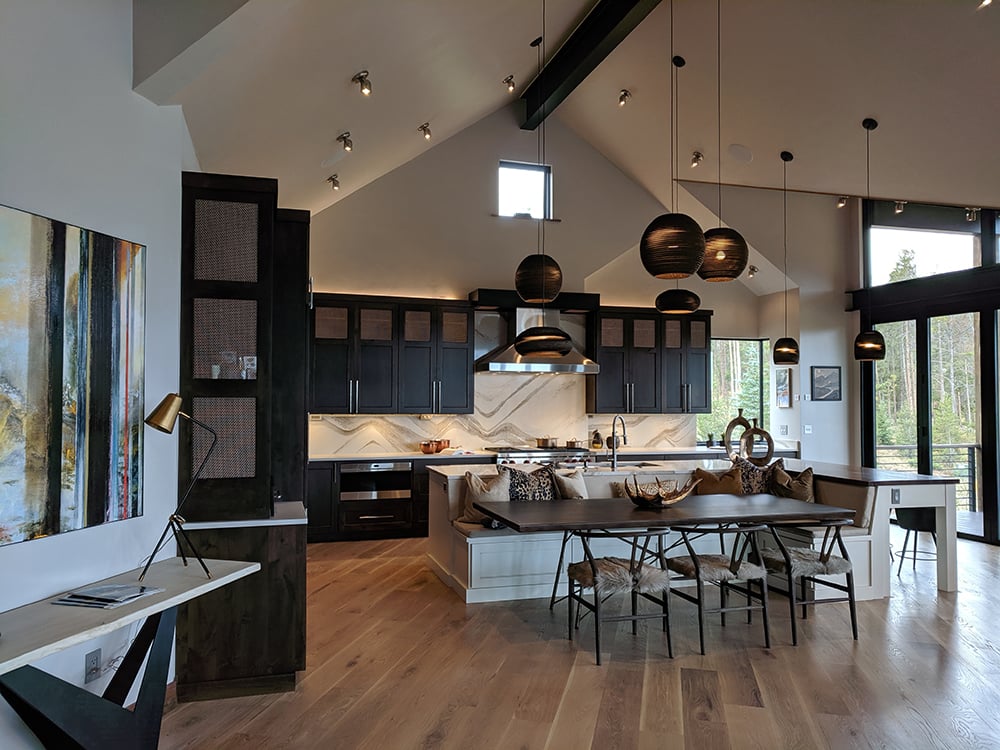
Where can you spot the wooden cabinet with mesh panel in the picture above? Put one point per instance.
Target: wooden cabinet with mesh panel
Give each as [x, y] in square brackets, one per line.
[687, 364]
[627, 347]
[435, 359]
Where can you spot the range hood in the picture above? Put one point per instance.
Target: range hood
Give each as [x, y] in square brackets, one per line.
[507, 359]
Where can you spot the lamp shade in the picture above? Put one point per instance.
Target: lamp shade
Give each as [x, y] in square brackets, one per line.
[786, 351]
[164, 416]
[677, 301]
[543, 341]
[869, 346]
[726, 255]
[538, 279]
[672, 247]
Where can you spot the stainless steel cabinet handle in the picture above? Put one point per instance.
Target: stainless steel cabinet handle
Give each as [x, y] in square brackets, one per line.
[357, 396]
[632, 397]
[310, 292]
[372, 518]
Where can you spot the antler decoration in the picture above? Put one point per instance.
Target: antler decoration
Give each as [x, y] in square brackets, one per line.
[658, 495]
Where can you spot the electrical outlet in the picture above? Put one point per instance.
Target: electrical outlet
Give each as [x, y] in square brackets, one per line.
[92, 665]
[783, 429]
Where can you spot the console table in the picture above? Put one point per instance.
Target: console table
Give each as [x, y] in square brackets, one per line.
[65, 715]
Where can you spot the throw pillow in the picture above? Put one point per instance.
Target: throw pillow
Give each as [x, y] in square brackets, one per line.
[571, 485]
[799, 488]
[721, 483]
[618, 489]
[756, 480]
[479, 488]
[538, 486]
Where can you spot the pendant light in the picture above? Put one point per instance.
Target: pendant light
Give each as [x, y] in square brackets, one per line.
[869, 346]
[726, 252]
[786, 349]
[673, 245]
[677, 301]
[538, 278]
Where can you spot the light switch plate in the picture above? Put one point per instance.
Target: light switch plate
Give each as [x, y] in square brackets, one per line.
[807, 429]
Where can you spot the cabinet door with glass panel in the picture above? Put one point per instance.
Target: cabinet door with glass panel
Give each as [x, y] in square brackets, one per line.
[435, 359]
[687, 365]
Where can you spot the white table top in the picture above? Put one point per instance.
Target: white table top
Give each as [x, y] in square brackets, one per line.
[286, 513]
[37, 630]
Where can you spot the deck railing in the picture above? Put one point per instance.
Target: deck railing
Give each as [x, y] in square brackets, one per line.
[956, 459]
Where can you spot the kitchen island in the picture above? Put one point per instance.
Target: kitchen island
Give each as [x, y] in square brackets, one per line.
[497, 565]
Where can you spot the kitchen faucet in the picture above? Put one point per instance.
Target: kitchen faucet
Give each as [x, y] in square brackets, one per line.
[614, 440]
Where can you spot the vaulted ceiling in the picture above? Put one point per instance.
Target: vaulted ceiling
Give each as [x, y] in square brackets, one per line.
[266, 88]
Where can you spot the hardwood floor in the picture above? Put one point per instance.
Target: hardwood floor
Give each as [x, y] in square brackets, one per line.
[396, 660]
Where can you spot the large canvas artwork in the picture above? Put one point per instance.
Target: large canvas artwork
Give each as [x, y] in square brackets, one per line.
[72, 305]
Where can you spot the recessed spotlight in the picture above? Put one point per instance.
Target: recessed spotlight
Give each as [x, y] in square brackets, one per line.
[972, 214]
[426, 130]
[509, 83]
[697, 158]
[623, 96]
[752, 271]
[345, 140]
[983, 4]
[362, 80]
[841, 201]
[334, 182]
[899, 207]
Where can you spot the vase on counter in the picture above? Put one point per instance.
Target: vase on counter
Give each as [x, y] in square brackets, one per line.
[597, 442]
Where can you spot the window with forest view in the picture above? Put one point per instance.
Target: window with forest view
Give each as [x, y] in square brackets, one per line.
[740, 380]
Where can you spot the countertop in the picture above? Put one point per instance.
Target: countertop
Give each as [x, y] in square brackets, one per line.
[286, 513]
[625, 450]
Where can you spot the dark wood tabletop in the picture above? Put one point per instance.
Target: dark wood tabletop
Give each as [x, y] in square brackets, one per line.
[620, 513]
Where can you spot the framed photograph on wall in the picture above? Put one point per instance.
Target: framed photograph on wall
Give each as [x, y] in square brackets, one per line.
[783, 387]
[825, 383]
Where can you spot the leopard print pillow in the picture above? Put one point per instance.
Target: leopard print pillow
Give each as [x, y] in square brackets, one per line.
[755, 479]
[538, 486]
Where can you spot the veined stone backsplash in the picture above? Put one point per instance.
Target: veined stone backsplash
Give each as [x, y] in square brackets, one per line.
[511, 409]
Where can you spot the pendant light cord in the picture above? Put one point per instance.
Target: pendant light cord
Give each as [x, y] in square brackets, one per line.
[784, 231]
[718, 89]
[673, 116]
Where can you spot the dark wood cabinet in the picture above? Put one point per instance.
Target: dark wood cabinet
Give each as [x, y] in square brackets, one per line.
[627, 348]
[322, 487]
[435, 359]
[687, 364]
[391, 356]
[248, 637]
[354, 357]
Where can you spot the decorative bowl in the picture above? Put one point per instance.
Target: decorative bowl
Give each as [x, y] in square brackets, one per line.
[657, 494]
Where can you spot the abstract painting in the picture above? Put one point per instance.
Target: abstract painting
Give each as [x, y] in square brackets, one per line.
[825, 383]
[72, 307]
[783, 387]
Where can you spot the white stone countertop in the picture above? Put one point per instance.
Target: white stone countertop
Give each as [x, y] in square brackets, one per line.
[399, 456]
[624, 468]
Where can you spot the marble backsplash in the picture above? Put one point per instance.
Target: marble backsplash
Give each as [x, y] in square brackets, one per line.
[511, 409]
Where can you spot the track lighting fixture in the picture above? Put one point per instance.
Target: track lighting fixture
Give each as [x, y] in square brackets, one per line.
[900, 206]
[425, 129]
[983, 4]
[697, 158]
[362, 80]
[623, 96]
[752, 271]
[972, 214]
[509, 83]
[334, 182]
[841, 201]
[344, 139]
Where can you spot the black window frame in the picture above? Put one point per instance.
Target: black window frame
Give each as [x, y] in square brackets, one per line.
[546, 170]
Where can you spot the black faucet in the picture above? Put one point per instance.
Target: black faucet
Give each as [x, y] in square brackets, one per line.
[614, 440]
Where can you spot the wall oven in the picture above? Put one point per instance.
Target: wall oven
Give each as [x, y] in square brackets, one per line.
[375, 496]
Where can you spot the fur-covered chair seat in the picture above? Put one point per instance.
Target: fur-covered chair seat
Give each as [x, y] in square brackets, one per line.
[714, 568]
[614, 576]
[805, 562]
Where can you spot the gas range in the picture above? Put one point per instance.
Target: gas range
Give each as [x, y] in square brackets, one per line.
[526, 454]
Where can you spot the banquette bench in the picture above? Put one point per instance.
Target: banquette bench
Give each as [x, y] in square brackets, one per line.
[487, 565]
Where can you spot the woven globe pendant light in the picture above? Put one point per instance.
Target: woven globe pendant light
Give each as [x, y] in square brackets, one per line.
[786, 349]
[542, 341]
[869, 346]
[677, 301]
[672, 247]
[538, 279]
[726, 255]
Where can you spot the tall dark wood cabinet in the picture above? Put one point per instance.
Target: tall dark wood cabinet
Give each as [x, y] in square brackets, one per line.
[243, 372]
[687, 364]
[626, 344]
[435, 359]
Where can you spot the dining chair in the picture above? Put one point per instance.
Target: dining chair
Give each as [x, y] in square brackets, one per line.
[726, 571]
[804, 565]
[607, 576]
[916, 520]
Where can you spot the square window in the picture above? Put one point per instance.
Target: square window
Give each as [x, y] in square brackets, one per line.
[525, 190]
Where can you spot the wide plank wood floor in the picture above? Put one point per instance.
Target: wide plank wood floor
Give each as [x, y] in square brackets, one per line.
[396, 660]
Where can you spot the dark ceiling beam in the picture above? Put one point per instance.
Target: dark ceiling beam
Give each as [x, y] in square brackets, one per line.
[601, 31]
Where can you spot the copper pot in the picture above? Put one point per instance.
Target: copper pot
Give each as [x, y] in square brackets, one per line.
[430, 446]
[547, 442]
[574, 443]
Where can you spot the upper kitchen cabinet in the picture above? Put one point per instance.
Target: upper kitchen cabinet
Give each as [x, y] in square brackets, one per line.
[687, 364]
[435, 359]
[354, 357]
[626, 345]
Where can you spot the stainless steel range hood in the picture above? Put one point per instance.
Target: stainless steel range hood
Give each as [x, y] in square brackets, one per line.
[506, 358]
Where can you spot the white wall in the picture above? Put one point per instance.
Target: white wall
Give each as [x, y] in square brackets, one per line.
[425, 228]
[76, 144]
